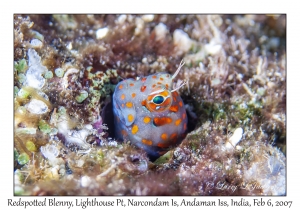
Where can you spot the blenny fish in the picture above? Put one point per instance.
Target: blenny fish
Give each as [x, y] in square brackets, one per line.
[149, 114]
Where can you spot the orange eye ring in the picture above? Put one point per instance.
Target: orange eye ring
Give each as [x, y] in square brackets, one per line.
[159, 102]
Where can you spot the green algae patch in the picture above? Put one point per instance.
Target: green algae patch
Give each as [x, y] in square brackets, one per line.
[30, 146]
[44, 127]
[59, 72]
[164, 159]
[16, 154]
[62, 111]
[16, 90]
[23, 159]
[21, 77]
[82, 96]
[48, 75]
[23, 93]
[21, 66]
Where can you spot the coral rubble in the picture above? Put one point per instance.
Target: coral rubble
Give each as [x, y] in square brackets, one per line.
[67, 66]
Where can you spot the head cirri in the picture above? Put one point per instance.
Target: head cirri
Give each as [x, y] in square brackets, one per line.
[149, 114]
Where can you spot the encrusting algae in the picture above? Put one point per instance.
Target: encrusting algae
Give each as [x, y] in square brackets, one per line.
[66, 68]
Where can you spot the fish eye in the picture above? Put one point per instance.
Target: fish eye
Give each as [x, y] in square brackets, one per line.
[158, 99]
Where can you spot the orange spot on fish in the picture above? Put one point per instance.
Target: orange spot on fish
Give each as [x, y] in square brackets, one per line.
[147, 119]
[129, 104]
[131, 84]
[177, 122]
[174, 97]
[130, 118]
[123, 96]
[147, 142]
[154, 77]
[143, 103]
[163, 145]
[159, 121]
[134, 129]
[165, 93]
[120, 87]
[144, 79]
[143, 88]
[180, 103]
[133, 95]
[174, 108]
[162, 79]
[164, 136]
[173, 136]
